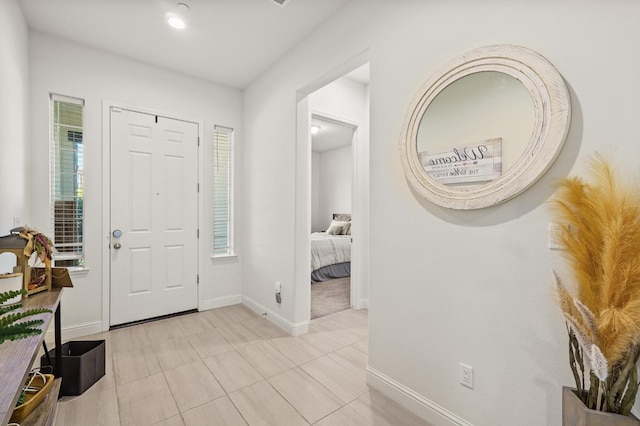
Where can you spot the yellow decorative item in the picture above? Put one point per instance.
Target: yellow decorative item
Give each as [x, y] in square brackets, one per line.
[37, 387]
[600, 224]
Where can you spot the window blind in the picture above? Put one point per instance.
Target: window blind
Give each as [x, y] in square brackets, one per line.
[222, 191]
[67, 174]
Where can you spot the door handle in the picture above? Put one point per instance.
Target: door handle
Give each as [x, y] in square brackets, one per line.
[117, 234]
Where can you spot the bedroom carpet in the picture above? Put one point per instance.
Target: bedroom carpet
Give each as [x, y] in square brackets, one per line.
[329, 297]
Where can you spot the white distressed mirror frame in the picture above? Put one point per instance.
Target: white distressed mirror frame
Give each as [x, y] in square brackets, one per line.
[552, 117]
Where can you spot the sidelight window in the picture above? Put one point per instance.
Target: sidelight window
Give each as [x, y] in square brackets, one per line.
[223, 192]
[67, 180]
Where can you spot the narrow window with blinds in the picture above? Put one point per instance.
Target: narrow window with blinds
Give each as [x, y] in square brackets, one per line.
[67, 172]
[223, 192]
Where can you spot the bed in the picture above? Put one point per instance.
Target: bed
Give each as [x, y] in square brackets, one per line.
[331, 250]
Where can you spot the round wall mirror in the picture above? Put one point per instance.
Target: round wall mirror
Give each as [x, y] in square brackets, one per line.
[485, 127]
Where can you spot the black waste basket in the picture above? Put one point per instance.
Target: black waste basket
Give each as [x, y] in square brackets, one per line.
[82, 365]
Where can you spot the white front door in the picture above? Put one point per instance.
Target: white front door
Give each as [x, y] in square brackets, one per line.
[154, 216]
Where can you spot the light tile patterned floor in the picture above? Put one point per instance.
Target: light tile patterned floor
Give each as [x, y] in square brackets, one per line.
[229, 366]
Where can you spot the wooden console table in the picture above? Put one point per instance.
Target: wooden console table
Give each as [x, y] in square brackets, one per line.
[17, 357]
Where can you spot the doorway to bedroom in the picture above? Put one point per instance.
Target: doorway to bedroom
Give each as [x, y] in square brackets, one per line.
[338, 169]
[331, 206]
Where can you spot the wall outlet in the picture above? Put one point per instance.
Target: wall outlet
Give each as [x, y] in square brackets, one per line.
[466, 375]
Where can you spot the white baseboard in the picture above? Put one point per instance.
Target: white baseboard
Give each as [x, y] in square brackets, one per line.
[86, 329]
[294, 329]
[220, 302]
[414, 402]
[74, 331]
[364, 303]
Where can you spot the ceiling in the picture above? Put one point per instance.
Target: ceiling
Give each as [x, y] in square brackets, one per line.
[332, 135]
[229, 42]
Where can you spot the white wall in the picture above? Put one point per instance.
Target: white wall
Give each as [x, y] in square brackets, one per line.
[448, 286]
[14, 121]
[271, 181]
[73, 70]
[335, 181]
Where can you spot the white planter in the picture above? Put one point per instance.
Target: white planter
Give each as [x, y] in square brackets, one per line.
[10, 282]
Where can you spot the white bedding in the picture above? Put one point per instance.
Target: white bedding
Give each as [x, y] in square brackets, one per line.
[329, 249]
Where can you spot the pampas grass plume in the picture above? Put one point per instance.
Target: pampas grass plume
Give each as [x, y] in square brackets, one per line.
[600, 222]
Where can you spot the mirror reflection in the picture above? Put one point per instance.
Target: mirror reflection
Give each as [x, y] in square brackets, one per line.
[475, 129]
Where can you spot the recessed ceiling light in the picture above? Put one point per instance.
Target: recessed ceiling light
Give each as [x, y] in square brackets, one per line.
[315, 129]
[176, 20]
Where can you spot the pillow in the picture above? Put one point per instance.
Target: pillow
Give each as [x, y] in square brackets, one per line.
[346, 230]
[336, 227]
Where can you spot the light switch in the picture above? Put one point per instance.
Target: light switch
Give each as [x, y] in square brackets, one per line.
[555, 236]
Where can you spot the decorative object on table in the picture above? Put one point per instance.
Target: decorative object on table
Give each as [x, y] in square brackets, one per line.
[60, 278]
[600, 234]
[11, 282]
[11, 326]
[36, 388]
[23, 242]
